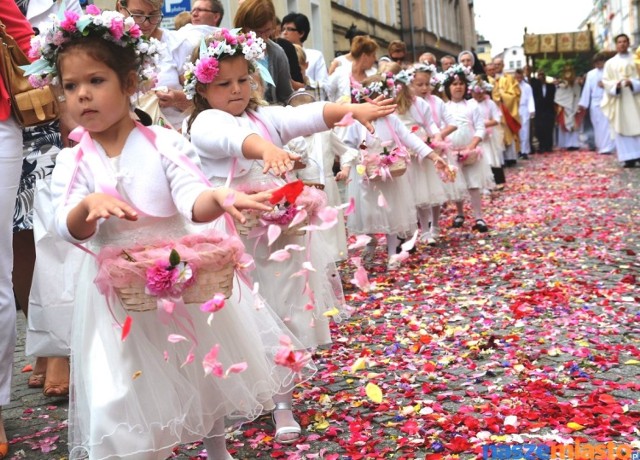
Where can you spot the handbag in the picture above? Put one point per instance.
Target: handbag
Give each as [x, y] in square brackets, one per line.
[30, 106]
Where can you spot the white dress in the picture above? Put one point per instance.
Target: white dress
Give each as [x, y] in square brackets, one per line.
[492, 144]
[397, 215]
[134, 399]
[302, 308]
[323, 148]
[426, 185]
[467, 117]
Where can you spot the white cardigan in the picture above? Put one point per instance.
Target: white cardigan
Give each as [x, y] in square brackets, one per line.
[155, 185]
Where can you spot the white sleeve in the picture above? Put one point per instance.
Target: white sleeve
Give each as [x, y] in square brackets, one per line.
[408, 139]
[291, 122]
[67, 191]
[478, 122]
[217, 134]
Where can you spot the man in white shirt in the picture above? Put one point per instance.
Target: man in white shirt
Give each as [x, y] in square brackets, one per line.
[527, 111]
[592, 98]
[296, 28]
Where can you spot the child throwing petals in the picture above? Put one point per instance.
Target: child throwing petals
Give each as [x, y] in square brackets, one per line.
[388, 205]
[164, 376]
[240, 140]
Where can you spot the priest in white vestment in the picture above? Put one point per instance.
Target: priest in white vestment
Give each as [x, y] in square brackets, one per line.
[621, 102]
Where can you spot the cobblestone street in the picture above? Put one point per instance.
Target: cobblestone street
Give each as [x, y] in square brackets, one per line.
[527, 334]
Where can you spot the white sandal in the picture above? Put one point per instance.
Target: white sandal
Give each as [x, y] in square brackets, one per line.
[285, 430]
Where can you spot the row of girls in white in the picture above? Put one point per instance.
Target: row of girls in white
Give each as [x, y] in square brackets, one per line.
[144, 381]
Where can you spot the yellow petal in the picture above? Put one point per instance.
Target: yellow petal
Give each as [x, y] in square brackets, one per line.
[374, 392]
[575, 426]
[360, 169]
[333, 312]
[136, 374]
[360, 364]
[632, 361]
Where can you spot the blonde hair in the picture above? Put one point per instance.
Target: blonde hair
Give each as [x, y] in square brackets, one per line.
[404, 94]
[253, 14]
[302, 56]
[200, 103]
[363, 44]
[182, 19]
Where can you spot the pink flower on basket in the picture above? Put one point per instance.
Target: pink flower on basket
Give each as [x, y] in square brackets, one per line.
[287, 357]
[169, 279]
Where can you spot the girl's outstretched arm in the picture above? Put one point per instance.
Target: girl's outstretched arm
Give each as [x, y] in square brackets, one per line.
[274, 158]
[82, 220]
[365, 113]
[212, 203]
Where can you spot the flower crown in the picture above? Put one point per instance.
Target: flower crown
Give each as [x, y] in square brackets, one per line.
[386, 88]
[478, 85]
[420, 67]
[455, 72]
[69, 25]
[222, 43]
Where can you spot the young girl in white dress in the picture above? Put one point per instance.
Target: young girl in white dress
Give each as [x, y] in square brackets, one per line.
[466, 115]
[422, 83]
[140, 382]
[385, 206]
[426, 183]
[322, 150]
[492, 143]
[239, 139]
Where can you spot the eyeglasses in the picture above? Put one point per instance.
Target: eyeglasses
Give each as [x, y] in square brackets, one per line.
[289, 29]
[154, 19]
[202, 10]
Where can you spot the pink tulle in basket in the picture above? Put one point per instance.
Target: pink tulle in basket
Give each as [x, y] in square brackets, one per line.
[195, 267]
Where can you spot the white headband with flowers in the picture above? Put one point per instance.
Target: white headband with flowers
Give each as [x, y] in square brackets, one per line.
[478, 85]
[69, 25]
[223, 42]
[386, 88]
[454, 73]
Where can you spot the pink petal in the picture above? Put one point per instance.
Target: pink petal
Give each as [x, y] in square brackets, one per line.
[215, 304]
[382, 202]
[361, 241]
[298, 218]
[347, 120]
[351, 207]
[237, 368]
[273, 233]
[175, 338]
[280, 255]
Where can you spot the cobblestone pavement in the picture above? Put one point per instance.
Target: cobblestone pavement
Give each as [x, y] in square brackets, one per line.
[530, 330]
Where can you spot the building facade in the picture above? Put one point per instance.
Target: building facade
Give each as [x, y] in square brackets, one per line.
[609, 18]
[380, 19]
[438, 26]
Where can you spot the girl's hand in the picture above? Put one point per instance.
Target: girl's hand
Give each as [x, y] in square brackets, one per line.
[278, 160]
[233, 201]
[343, 174]
[102, 206]
[369, 111]
[173, 98]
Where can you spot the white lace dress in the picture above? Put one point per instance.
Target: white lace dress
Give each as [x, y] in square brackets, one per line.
[134, 398]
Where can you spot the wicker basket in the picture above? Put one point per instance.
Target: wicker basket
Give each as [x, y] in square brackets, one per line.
[470, 159]
[253, 221]
[315, 185]
[208, 283]
[396, 169]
